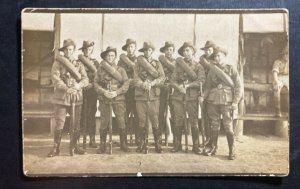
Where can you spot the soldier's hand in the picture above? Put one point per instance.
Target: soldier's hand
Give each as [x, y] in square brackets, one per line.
[114, 94]
[89, 86]
[77, 87]
[146, 86]
[71, 90]
[234, 106]
[108, 94]
[182, 90]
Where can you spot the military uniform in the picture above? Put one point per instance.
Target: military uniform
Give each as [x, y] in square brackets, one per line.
[62, 81]
[220, 97]
[165, 92]
[130, 102]
[180, 78]
[89, 107]
[281, 67]
[142, 96]
[104, 81]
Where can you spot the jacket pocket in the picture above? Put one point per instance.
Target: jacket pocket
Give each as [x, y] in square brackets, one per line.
[157, 91]
[228, 95]
[193, 93]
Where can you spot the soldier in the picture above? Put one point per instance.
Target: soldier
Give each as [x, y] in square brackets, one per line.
[186, 80]
[168, 63]
[280, 78]
[128, 62]
[148, 77]
[111, 84]
[69, 78]
[88, 121]
[223, 92]
[206, 57]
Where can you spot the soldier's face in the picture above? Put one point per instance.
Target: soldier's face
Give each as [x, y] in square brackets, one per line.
[88, 51]
[110, 57]
[69, 51]
[209, 51]
[169, 52]
[219, 58]
[188, 53]
[131, 48]
[148, 52]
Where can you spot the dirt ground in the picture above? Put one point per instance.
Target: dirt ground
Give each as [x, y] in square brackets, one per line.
[263, 155]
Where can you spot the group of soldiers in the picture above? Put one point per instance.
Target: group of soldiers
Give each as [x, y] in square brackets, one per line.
[140, 90]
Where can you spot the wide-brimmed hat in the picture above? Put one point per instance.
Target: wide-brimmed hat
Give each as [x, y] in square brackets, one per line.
[147, 45]
[86, 44]
[167, 45]
[220, 49]
[208, 44]
[108, 49]
[185, 45]
[128, 42]
[66, 43]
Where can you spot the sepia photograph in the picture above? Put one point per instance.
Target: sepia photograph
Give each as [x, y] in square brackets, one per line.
[155, 92]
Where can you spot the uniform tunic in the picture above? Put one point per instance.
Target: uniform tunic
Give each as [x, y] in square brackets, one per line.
[62, 81]
[89, 102]
[220, 98]
[179, 77]
[101, 83]
[142, 95]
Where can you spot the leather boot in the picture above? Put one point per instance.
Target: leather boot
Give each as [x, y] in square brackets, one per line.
[123, 139]
[195, 137]
[157, 139]
[230, 140]
[141, 145]
[102, 147]
[177, 135]
[214, 145]
[77, 149]
[57, 138]
[92, 143]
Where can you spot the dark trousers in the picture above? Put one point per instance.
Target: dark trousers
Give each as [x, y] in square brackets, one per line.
[163, 108]
[88, 119]
[141, 107]
[119, 110]
[179, 112]
[60, 113]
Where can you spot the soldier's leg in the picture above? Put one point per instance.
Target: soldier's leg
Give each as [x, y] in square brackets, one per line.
[178, 124]
[84, 120]
[104, 121]
[153, 116]
[60, 113]
[172, 119]
[141, 107]
[92, 109]
[214, 114]
[135, 122]
[120, 111]
[76, 136]
[162, 110]
[207, 128]
[228, 126]
[192, 109]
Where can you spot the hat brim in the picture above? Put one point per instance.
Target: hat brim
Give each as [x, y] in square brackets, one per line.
[92, 44]
[103, 54]
[180, 50]
[205, 48]
[124, 47]
[143, 49]
[165, 47]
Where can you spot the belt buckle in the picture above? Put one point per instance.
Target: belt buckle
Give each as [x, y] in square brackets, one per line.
[220, 86]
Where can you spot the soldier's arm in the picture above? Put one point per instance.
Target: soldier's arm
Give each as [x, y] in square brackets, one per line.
[97, 87]
[200, 77]
[161, 78]
[84, 78]
[124, 88]
[237, 86]
[55, 77]
[208, 84]
[137, 81]
[173, 80]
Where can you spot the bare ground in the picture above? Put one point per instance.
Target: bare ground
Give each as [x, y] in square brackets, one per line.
[260, 155]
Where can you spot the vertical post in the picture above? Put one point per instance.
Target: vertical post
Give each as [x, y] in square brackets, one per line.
[239, 124]
[57, 28]
[102, 31]
[194, 36]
